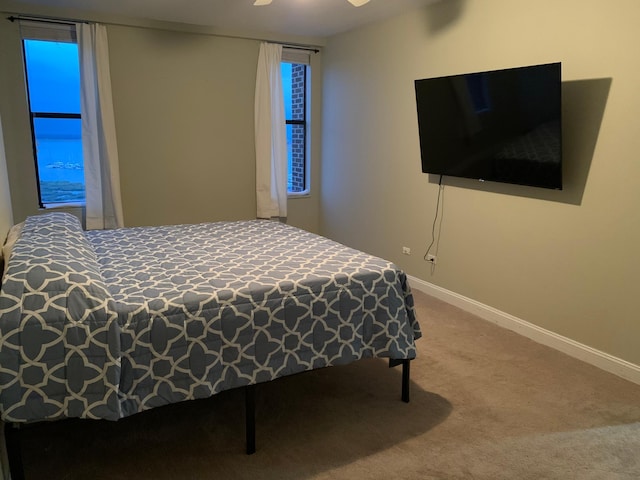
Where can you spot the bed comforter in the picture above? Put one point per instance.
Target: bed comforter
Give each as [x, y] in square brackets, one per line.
[105, 324]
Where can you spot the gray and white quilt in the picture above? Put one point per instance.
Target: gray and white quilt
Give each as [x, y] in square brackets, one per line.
[105, 324]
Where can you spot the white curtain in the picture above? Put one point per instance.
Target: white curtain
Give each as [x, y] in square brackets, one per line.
[99, 146]
[271, 135]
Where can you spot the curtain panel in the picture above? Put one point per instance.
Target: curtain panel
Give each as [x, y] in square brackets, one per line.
[100, 150]
[270, 135]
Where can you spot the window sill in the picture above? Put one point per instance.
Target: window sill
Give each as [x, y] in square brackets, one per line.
[305, 194]
[61, 206]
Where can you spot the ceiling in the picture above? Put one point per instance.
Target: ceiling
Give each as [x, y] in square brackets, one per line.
[309, 18]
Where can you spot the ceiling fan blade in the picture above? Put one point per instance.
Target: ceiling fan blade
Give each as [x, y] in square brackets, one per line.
[262, 2]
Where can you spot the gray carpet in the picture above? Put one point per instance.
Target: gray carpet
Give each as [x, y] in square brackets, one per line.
[486, 404]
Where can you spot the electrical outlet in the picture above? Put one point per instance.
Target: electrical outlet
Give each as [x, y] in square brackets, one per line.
[406, 250]
[432, 259]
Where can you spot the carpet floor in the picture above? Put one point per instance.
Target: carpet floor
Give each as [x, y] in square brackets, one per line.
[486, 403]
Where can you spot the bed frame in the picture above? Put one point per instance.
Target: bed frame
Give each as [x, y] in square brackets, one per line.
[12, 430]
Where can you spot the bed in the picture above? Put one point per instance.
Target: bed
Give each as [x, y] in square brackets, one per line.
[106, 324]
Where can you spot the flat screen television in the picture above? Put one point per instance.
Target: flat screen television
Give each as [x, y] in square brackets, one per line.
[500, 125]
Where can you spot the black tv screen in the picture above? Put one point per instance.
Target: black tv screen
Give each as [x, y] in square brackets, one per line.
[500, 125]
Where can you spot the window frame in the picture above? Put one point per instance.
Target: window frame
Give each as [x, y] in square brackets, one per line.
[302, 57]
[51, 32]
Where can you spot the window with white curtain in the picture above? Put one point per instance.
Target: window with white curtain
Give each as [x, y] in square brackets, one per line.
[296, 85]
[52, 76]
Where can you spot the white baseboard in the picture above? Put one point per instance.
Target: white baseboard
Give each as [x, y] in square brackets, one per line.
[602, 360]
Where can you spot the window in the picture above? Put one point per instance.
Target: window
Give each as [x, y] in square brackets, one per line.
[295, 82]
[52, 75]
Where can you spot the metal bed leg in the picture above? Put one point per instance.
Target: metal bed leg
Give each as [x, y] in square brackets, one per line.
[406, 374]
[12, 440]
[406, 370]
[250, 417]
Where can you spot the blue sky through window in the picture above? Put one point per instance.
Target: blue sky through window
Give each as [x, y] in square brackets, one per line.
[286, 85]
[53, 71]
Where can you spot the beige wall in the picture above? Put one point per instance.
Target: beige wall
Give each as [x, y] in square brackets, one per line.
[566, 261]
[6, 214]
[183, 104]
[184, 114]
[16, 130]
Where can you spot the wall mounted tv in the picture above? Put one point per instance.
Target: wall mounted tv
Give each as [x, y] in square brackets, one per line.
[500, 125]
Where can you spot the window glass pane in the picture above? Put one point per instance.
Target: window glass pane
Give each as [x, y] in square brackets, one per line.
[53, 67]
[297, 163]
[59, 157]
[289, 157]
[295, 91]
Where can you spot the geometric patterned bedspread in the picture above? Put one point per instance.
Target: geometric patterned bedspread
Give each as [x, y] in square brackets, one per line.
[105, 324]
